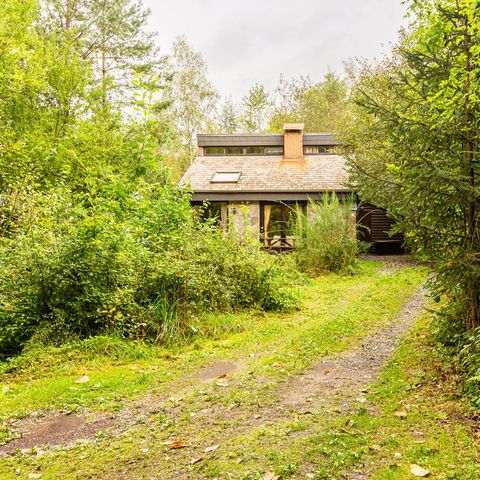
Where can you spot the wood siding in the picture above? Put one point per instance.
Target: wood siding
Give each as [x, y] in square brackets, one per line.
[375, 227]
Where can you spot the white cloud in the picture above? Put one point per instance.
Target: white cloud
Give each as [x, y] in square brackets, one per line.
[250, 41]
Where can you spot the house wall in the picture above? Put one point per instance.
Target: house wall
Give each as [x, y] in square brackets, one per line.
[374, 226]
[244, 217]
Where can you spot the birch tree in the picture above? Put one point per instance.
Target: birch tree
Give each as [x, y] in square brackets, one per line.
[194, 98]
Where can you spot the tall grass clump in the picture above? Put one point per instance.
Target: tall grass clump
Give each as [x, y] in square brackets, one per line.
[325, 237]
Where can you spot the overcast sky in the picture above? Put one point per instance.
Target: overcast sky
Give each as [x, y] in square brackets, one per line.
[249, 41]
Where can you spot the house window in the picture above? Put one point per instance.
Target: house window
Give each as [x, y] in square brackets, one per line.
[233, 151]
[319, 149]
[215, 212]
[252, 150]
[255, 150]
[224, 151]
[276, 226]
[273, 150]
[214, 151]
[226, 177]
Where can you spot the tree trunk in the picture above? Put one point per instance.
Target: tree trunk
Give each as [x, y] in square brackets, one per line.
[470, 155]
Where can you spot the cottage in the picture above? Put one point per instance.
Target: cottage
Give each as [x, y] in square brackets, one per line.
[256, 180]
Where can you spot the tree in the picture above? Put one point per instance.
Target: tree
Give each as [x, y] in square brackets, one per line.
[56, 132]
[112, 35]
[415, 128]
[289, 95]
[42, 94]
[193, 100]
[228, 119]
[321, 107]
[256, 107]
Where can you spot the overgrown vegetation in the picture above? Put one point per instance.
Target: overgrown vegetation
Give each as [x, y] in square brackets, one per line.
[436, 432]
[325, 237]
[136, 266]
[415, 128]
[94, 236]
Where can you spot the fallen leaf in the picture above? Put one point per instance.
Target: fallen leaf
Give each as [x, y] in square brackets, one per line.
[222, 384]
[377, 448]
[144, 450]
[193, 461]
[239, 460]
[310, 475]
[397, 455]
[83, 379]
[174, 444]
[419, 471]
[211, 449]
[34, 475]
[256, 417]
[349, 422]
[401, 414]
[270, 476]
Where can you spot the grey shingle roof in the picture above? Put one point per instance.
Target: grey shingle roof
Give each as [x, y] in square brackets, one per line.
[315, 173]
[262, 140]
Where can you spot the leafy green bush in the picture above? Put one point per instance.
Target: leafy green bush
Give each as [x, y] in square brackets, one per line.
[469, 361]
[134, 263]
[325, 238]
[461, 348]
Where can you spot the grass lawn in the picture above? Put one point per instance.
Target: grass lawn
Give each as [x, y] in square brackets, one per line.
[336, 312]
[269, 350]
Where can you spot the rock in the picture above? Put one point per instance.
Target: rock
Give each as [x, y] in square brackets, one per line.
[419, 471]
[83, 379]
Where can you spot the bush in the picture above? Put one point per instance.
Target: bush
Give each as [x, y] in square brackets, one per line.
[136, 264]
[462, 348]
[325, 238]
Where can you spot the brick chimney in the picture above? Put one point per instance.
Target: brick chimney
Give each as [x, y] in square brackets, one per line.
[293, 141]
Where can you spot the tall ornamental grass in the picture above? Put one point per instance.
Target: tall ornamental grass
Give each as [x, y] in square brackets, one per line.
[325, 237]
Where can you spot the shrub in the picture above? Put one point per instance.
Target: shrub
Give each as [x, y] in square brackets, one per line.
[325, 237]
[462, 348]
[136, 264]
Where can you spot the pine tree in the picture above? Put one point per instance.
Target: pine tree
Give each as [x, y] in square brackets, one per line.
[416, 134]
[228, 121]
[112, 35]
[256, 106]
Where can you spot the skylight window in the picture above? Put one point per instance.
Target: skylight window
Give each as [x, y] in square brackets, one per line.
[226, 177]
